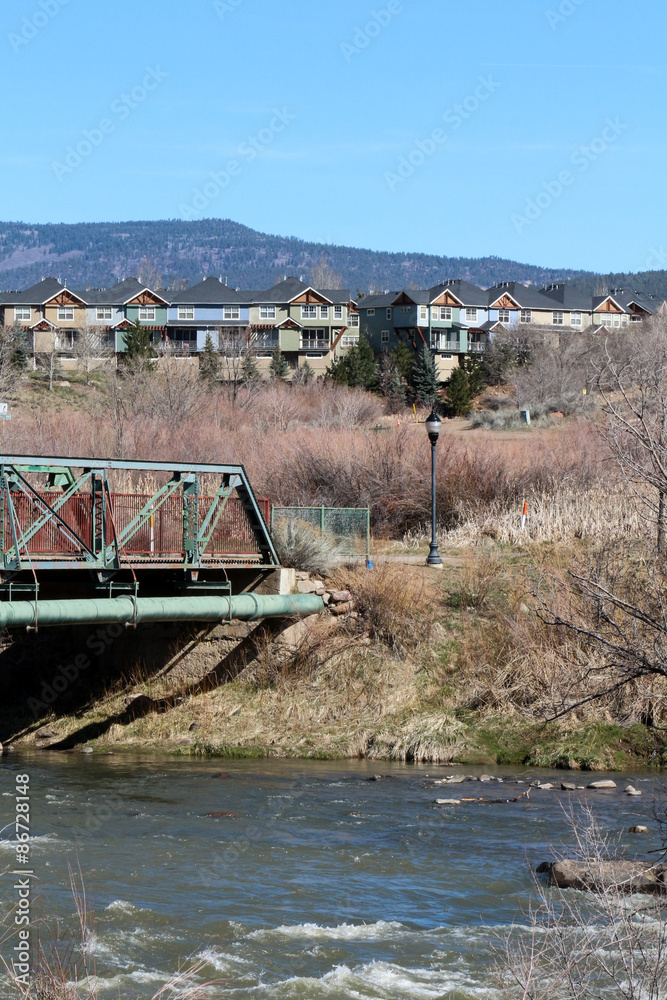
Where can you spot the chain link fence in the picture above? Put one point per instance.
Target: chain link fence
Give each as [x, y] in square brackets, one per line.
[349, 527]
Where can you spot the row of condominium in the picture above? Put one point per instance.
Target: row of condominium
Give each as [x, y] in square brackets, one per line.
[310, 325]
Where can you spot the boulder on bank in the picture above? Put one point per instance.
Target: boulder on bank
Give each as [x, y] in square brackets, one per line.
[600, 876]
[138, 704]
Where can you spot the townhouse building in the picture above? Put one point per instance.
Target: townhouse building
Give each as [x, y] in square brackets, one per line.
[48, 312]
[311, 325]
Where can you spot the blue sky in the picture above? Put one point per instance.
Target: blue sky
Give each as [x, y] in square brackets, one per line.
[529, 129]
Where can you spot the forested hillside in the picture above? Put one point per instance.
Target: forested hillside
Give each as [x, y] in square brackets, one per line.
[172, 252]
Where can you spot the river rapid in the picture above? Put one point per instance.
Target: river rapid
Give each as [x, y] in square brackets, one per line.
[314, 882]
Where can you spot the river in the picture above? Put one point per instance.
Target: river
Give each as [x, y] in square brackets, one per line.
[321, 882]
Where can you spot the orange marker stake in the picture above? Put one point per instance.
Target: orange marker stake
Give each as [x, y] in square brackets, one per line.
[524, 516]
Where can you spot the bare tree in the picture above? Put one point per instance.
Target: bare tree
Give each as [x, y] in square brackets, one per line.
[552, 367]
[631, 378]
[92, 347]
[588, 946]
[323, 275]
[150, 273]
[616, 606]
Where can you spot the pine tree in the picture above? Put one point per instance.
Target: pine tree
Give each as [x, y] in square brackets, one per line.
[425, 378]
[459, 395]
[138, 345]
[278, 367]
[360, 367]
[250, 373]
[304, 375]
[405, 361]
[209, 362]
[391, 383]
[19, 347]
[476, 379]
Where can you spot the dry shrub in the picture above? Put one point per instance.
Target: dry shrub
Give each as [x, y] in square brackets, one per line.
[514, 661]
[480, 575]
[392, 607]
[301, 546]
[313, 445]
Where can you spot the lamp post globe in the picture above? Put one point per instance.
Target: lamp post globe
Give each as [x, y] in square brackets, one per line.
[433, 426]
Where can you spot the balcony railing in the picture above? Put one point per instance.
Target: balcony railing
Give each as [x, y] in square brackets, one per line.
[314, 345]
[440, 344]
[476, 348]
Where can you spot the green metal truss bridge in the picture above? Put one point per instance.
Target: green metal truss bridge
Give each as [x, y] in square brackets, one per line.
[89, 540]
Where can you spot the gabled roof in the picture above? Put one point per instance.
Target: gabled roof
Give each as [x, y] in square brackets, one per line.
[525, 296]
[39, 294]
[286, 291]
[599, 301]
[467, 293]
[634, 302]
[210, 292]
[568, 297]
[377, 301]
[119, 294]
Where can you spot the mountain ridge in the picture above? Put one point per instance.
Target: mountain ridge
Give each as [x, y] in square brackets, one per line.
[98, 254]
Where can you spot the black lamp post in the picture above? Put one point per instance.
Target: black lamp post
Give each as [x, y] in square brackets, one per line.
[433, 425]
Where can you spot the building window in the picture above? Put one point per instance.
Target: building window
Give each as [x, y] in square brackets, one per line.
[388, 313]
[314, 340]
[617, 320]
[66, 313]
[186, 312]
[445, 312]
[338, 312]
[559, 318]
[324, 312]
[471, 315]
[423, 314]
[405, 309]
[147, 313]
[267, 312]
[231, 312]
[370, 312]
[526, 315]
[384, 336]
[349, 340]
[605, 319]
[104, 312]
[353, 319]
[624, 320]
[575, 319]
[22, 313]
[503, 315]
[308, 312]
[635, 319]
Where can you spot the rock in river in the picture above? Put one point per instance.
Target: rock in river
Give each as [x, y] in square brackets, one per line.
[600, 785]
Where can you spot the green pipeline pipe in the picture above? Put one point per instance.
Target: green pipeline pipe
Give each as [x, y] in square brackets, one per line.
[130, 610]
